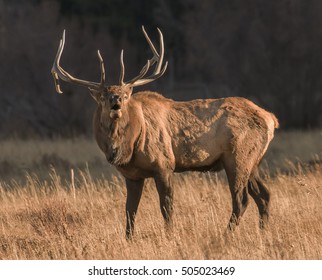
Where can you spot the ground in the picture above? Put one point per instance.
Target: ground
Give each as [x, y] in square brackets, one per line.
[60, 199]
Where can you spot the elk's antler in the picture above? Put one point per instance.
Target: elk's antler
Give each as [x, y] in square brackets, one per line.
[157, 58]
[58, 72]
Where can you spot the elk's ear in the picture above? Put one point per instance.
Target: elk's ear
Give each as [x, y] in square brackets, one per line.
[129, 91]
[96, 94]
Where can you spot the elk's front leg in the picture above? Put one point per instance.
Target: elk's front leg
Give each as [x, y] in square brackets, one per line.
[134, 193]
[165, 190]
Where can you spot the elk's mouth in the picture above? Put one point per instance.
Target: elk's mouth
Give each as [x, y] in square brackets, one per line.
[116, 111]
[116, 107]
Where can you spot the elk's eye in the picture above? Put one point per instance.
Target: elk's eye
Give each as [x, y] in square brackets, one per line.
[126, 96]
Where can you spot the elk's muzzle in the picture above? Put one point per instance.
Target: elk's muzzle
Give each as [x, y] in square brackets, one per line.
[116, 110]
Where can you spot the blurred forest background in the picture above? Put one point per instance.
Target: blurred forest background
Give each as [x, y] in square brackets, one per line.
[267, 51]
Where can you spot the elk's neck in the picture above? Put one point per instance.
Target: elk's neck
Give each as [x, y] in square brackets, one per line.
[117, 138]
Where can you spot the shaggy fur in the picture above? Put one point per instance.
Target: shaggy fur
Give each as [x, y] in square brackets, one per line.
[155, 136]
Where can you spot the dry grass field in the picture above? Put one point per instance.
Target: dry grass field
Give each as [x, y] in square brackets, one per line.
[59, 199]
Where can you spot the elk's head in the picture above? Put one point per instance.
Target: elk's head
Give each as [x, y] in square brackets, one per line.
[113, 100]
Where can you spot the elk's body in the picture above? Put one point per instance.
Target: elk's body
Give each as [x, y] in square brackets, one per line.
[147, 135]
[183, 136]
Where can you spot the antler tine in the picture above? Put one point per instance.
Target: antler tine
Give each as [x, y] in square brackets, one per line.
[58, 72]
[143, 71]
[55, 68]
[155, 53]
[157, 58]
[122, 69]
[53, 72]
[102, 68]
[151, 78]
[158, 68]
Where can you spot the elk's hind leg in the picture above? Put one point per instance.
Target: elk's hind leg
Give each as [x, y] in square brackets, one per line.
[165, 191]
[237, 179]
[261, 195]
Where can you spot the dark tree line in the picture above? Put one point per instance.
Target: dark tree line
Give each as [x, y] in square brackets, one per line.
[267, 51]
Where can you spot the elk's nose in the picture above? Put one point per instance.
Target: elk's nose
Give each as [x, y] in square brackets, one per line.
[116, 99]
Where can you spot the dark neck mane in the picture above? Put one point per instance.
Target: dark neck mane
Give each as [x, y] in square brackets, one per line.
[117, 138]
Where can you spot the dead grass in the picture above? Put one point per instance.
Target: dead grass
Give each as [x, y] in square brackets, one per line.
[45, 216]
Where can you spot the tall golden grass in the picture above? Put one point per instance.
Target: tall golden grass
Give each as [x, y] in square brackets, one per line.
[60, 200]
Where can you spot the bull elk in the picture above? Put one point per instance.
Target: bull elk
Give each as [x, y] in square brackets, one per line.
[145, 135]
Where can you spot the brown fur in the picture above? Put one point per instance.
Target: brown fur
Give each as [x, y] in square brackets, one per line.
[156, 136]
[148, 135]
